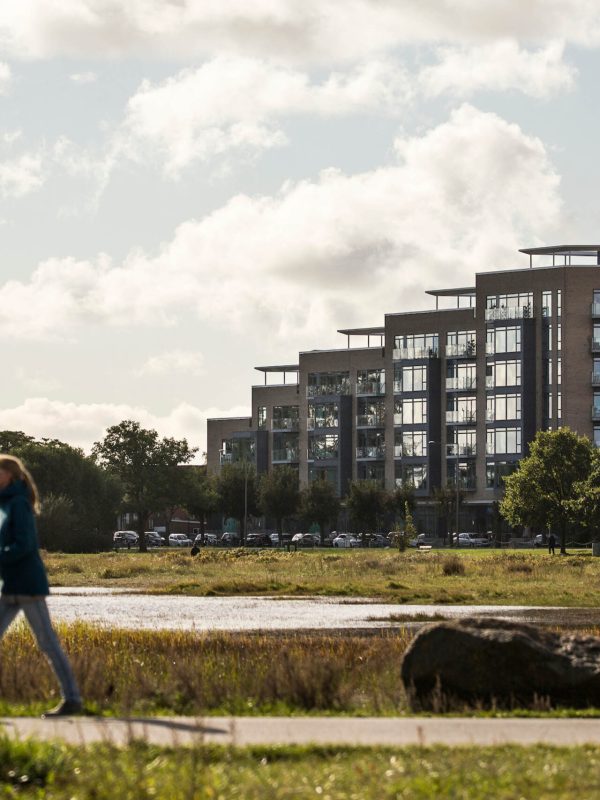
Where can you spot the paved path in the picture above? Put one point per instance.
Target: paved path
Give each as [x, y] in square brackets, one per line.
[304, 730]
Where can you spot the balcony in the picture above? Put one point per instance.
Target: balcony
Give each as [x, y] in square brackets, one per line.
[289, 455]
[285, 424]
[595, 309]
[321, 423]
[328, 390]
[465, 450]
[370, 421]
[397, 419]
[225, 458]
[461, 384]
[412, 353]
[595, 345]
[322, 454]
[466, 350]
[595, 413]
[376, 451]
[406, 451]
[370, 387]
[462, 416]
[595, 378]
[513, 312]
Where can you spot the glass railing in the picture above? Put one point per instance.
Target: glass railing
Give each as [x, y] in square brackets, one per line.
[595, 378]
[370, 421]
[322, 455]
[461, 384]
[321, 422]
[397, 419]
[410, 353]
[466, 350]
[595, 309]
[595, 344]
[512, 312]
[287, 455]
[463, 416]
[225, 458]
[595, 412]
[408, 451]
[377, 451]
[328, 389]
[490, 382]
[285, 424]
[463, 450]
[370, 387]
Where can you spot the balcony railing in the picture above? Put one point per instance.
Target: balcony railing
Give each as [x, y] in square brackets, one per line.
[461, 384]
[512, 312]
[370, 387]
[595, 413]
[370, 421]
[595, 378]
[461, 417]
[408, 451]
[595, 309]
[321, 422]
[234, 458]
[376, 451]
[288, 455]
[411, 353]
[463, 450]
[465, 350]
[225, 458]
[328, 389]
[595, 345]
[285, 424]
[322, 455]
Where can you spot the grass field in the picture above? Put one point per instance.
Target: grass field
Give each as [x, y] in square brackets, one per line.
[58, 772]
[486, 576]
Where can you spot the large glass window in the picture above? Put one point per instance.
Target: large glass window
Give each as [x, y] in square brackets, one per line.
[285, 447]
[503, 440]
[323, 415]
[414, 475]
[410, 379]
[503, 373]
[323, 473]
[465, 439]
[466, 474]
[285, 418]
[323, 383]
[322, 447]
[417, 345]
[262, 417]
[460, 343]
[559, 336]
[414, 411]
[512, 300]
[597, 435]
[460, 409]
[503, 407]
[497, 471]
[370, 444]
[370, 413]
[410, 444]
[503, 339]
[370, 381]
[559, 370]
[547, 304]
[369, 471]
[460, 376]
[559, 302]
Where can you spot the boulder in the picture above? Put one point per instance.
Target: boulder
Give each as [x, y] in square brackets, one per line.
[487, 662]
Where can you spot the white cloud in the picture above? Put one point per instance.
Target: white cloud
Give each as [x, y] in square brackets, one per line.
[5, 77]
[186, 362]
[82, 78]
[82, 424]
[318, 30]
[499, 66]
[237, 104]
[343, 249]
[22, 175]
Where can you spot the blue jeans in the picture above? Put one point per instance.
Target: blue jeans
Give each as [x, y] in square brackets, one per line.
[36, 613]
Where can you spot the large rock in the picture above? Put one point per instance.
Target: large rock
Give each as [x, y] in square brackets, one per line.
[492, 662]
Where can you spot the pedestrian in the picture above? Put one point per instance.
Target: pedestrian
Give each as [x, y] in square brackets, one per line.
[551, 544]
[24, 581]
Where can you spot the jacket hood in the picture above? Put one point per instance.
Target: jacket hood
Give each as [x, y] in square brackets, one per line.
[14, 489]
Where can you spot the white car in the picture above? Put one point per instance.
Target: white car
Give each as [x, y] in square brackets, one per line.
[179, 540]
[345, 540]
[471, 540]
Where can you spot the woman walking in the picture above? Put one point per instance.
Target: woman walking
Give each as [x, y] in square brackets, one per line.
[24, 580]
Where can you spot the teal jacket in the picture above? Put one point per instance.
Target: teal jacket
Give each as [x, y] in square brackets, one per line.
[21, 568]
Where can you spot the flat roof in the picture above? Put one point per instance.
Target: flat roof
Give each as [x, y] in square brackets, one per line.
[464, 290]
[563, 249]
[375, 331]
[279, 368]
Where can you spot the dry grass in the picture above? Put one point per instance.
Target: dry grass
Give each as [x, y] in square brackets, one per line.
[453, 565]
[490, 577]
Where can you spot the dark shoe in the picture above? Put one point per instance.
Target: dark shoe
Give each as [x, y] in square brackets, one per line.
[68, 708]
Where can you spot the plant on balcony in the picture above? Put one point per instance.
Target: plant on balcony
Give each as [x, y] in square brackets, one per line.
[279, 496]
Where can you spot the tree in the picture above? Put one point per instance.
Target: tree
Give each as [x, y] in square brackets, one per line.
[319, 503]
[541, 491]
[445, 497]
[585, 504]
[201, 496]
[279, 495]
[366, 503]
[399, 499]
[144, 464]
[237, 493]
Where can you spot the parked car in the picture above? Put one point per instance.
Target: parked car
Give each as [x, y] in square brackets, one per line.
[230, 539]
[472, 540]
[258, 540]
[285, 539]
[378, 540]
[346, 540]
[309, 540]
[179, 540]
[210, 540]
[154, 539]
[125, 538]
[538, 540]
[422, 540]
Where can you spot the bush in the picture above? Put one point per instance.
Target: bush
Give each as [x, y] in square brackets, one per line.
[453, 565]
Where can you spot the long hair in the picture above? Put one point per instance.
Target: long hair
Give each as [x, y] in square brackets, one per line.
[19, 472]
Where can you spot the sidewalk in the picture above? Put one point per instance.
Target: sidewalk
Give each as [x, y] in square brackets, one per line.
[347, 731]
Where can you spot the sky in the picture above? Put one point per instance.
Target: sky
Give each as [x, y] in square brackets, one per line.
[190, 188]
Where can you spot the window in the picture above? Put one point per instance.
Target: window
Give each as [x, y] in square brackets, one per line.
[410, 444]
[596, 435]
[547, 304]
[323, 473]
[323, 383]
[463, 438]
[411, 475]
[559, 370]
[417, 345]
[516, 300]
[370, 444]
[548, 370]
[503, 373]
[559, 302]
[460, 376]
[370, 412]
[559, 405]
[503, 340]
[547, 336]
[548, 405]
[414, 411]
[460, 409]
[285, 418]
[460, 343]
[502, 407]
[410, 379]
[321, 447]
[496, 472]
[559, 336]
[323, 415]
[466, 474]
[262, 417]
[285, 447]
[370, 381]
[397, 412]
[503, 440]
[368, 471]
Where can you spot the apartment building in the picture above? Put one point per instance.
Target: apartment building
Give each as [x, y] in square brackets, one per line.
[452, 394]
